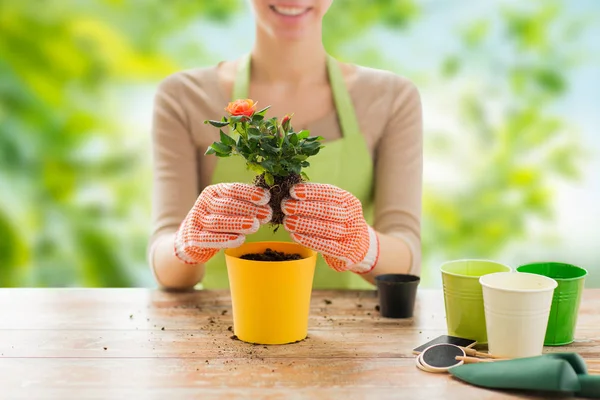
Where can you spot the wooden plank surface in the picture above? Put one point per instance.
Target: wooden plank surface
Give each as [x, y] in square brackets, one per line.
[110, 343]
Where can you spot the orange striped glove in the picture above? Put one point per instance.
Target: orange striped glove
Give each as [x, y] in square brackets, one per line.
[221, 217]
[330, 221]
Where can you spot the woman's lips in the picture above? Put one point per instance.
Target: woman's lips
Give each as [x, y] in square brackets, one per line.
[290, 11]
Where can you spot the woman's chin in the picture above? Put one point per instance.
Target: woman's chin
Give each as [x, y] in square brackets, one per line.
[291, 34]
[293, 31]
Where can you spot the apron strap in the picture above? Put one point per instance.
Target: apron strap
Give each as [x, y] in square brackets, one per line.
[343, 101]
[241, 85]
[341, 97]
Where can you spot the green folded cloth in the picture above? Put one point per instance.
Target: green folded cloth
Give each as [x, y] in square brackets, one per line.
[558, 372]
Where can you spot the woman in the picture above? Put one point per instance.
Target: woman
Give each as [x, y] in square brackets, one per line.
[366, 201]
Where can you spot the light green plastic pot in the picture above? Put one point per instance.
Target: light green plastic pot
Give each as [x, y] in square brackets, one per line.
[463, 297]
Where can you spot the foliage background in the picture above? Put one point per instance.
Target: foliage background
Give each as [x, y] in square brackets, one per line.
[510, 91]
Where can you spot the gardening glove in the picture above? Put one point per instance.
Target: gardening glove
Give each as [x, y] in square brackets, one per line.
[221, 217]
[330, 220]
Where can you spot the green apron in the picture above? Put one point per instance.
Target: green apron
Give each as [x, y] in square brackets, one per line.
[345, 162]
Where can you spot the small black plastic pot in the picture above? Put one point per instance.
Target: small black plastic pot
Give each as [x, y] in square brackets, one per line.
[397, 293]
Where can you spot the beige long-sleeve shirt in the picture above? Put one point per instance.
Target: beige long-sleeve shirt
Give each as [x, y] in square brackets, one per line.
[388, 110]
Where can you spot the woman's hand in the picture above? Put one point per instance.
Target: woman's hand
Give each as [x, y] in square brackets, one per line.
[221, 217]
[330, 220]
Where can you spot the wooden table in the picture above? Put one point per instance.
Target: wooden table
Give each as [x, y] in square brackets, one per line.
[144, 344]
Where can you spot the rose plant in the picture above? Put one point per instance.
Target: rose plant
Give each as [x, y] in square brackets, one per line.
[271, 148]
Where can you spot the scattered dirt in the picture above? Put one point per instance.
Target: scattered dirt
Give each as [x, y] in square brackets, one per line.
[298, 341]
[230, 329]
[105, 348]
[234, 337]
[271, 255]
[162, 329]
[377, 308]
[223, 312]
[327, 301]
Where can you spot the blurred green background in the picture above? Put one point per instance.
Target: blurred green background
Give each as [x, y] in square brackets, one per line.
[511, 95]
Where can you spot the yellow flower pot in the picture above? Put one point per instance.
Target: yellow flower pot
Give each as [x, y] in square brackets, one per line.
[270, 299]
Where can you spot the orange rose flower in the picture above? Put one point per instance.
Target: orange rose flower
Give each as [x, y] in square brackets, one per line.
[239, 107]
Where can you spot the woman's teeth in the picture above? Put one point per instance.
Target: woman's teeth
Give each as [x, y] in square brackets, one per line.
[289, 11]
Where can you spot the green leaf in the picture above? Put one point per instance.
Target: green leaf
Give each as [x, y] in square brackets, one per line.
[269, 179]
[218, 124]
[221, 148]
[241, 129]
[303, 134]
[254, 134]
[263, 111]
[226, 139]
[311, 146]
[267, 164]
[256, 168]
[253, 145]
[294, 139]
[300, 157]
[209, 151]
[238, 118]
[314, 138]
[304, 176]
[313, 152]
[270, 149]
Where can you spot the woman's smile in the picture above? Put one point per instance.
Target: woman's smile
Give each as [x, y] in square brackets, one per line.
[290, 11]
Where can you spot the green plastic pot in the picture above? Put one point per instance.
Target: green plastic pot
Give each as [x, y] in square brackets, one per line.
[566, 299]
